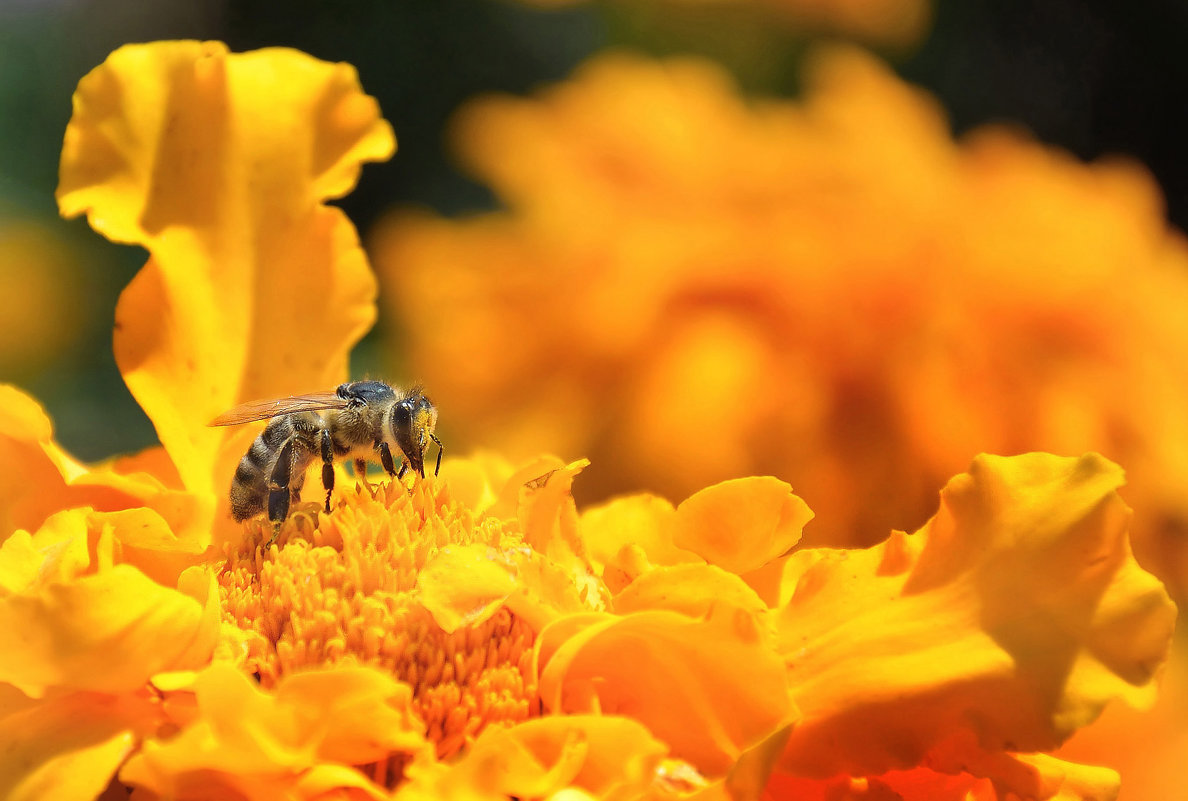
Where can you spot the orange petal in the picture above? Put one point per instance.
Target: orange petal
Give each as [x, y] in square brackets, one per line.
[218, 164]
[1014, 615]
[1026, 776]
[742, 524]
[50, 479]
[710, 688]
[68, 747]
[914, 785]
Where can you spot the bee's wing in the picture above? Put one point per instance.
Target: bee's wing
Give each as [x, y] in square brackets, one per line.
[264, 409]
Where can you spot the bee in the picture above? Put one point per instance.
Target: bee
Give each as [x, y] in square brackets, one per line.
[361, 420]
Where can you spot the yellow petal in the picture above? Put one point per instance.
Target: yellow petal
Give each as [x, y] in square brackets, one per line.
[146, 541]
[218, 164]
[264, 745]
[599, 756]
[742, 524]
[475, 481]
[1014, 615]
[68, 748]
[463, 585]
[689, 589]
[710, 688]
[107, 632]
[629, 534]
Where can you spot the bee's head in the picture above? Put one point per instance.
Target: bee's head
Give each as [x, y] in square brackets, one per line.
[413, 421]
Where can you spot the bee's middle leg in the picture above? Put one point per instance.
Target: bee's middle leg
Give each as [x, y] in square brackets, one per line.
[327, 465]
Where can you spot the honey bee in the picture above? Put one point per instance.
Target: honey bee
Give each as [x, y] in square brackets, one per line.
[359, 420]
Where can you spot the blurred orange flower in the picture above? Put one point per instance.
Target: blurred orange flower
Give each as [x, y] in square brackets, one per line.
[687, 286]
[476, 637]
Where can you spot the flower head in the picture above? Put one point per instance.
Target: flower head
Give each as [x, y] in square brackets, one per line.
[475, 636]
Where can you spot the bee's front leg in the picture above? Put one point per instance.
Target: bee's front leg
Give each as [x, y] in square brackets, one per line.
[385, 454]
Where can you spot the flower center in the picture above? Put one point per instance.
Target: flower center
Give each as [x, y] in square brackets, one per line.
[340, 588]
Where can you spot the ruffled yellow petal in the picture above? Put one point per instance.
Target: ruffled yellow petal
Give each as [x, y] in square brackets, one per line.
[71, 618]
[264, 745]
[218, 164]
[708, 687]
[1014, 616]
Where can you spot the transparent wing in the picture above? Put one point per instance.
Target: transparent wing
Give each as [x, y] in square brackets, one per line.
[263, 409]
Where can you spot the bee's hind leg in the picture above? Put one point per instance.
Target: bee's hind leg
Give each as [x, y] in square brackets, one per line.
[278, 485]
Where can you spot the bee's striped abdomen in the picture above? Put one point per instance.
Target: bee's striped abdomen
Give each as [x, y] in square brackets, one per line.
[249, 487]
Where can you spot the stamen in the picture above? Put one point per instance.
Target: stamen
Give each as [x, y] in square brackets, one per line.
[338, 589]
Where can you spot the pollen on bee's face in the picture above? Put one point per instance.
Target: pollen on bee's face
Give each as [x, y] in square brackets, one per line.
[339, 588]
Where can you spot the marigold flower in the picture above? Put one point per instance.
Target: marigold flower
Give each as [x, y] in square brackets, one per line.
[475, 636]
[686, 286]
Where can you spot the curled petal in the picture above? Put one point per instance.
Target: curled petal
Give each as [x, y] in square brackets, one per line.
[218, 164]
[742, 524]
[710, 688]
[1014, 615]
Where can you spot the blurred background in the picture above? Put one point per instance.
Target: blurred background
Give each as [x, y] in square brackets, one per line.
[769, 255]
[1092, 77]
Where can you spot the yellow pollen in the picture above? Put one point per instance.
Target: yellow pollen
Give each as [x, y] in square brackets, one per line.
[338, 588]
